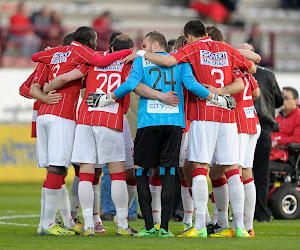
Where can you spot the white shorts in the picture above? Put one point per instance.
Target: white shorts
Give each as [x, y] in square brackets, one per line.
[207, 139]
[55, 137]
[98, 145]
[128, 144]
[183, 148]
[247, 145]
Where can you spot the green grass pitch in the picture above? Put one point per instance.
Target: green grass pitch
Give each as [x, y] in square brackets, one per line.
[19, 211]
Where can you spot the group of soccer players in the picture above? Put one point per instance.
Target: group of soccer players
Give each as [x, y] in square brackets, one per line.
[102, 135]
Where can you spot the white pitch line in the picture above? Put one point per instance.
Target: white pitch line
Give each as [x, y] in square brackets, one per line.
[16, 224]
[19, 216]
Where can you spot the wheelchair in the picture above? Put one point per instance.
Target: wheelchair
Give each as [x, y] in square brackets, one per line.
[284, 194]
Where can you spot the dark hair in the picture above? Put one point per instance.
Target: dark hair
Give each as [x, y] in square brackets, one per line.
[195, 28]
[112, 37]
[215, 33]
[170, 46]
[122, 42]
[157, 37]
[84, 34]
[294, 91]
[68, 39]
[180, 42]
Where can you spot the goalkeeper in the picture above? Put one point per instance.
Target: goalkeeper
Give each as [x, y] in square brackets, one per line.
[158, 138]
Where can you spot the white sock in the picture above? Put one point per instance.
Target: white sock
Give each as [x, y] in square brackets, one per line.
[236, 198]
[96, 206]
[156, 203]
[200, 199]
[131, 194]
[86, 197]
[52, 199]
[75, 204]
[188, 206]
[222, 201]
[119, 195]
[64, 207]
[249, 208]
[207, 217]
[215, 213]
[42, 207]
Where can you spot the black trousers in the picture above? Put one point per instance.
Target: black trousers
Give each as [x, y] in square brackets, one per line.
[261, 172]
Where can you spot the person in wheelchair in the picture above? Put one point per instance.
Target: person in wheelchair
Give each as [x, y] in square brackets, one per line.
[288, 120]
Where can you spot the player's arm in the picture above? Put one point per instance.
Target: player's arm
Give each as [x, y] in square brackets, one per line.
[62, 80]
[252, 70]
[256, 93]
[103, 61]
[235, 87]
[44, 56]
[169, 97]
[158, 59]
[198, 89]
[250, 55]
[37, 93]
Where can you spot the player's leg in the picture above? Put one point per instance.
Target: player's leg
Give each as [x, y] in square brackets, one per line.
[202, 140]
[220, 193]
[184, 171]
[98, 226]
[131, 185]
[84, 152]
[155, 189]
[75, 204]
[58, 134]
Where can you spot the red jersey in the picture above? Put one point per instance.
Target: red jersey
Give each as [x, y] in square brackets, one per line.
[106, 79]
[25, 89]
[213, 63]
[62, 60]
[245, 111]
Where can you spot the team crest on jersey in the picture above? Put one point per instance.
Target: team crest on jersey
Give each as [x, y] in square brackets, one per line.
[147, 63]
[115, 66]
[218, 59]
[60, 57]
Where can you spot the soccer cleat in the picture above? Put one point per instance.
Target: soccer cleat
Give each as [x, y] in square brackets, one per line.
[251, 232]
[225, 233]
[77, 222]
[99, 229]
[89, 232]
[241, 233]
[187, 226]
[77, 229]
[126, 232]
[212, 227]
[193, 233]
[165, 234]
[57, 230]
[146, 233]
[156, 226]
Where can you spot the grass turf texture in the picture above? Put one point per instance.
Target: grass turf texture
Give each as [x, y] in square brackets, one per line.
[24, 199]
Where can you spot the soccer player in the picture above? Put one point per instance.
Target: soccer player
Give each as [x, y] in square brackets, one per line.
[213, 129]
[160, 126]
[56, 123]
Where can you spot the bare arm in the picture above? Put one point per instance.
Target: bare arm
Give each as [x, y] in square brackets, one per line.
[252, 70]
[169, 98]
[250, 55]
[50, 98]
[62, 80]
[256, 93]
[236, 86]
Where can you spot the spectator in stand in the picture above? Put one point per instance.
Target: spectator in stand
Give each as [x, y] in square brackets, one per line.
[41, 21]
[55, 31]
[102, 25]
[290, 4]
[289, 124]
[255, 38]
[21, 33]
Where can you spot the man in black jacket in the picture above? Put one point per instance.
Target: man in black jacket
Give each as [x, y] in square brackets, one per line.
[270, 98]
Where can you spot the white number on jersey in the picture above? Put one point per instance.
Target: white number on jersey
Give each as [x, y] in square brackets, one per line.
[57, 67]
[114, 80]
[245, 96]
[221, 79]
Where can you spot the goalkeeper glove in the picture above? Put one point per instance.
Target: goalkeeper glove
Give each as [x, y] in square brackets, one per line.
[224, 101]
